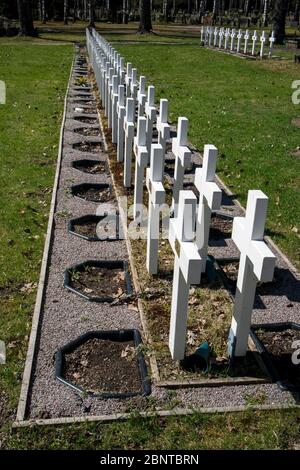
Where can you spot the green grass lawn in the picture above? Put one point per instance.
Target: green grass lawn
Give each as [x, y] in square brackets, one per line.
[244, 108]
[36, 78]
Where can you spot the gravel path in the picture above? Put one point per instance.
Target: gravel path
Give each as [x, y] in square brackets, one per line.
[66, 316]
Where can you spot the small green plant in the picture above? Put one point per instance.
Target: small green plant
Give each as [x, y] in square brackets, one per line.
[255, 399]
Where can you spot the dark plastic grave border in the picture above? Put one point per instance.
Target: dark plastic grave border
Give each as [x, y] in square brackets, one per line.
[113, 264]
[89, 161]
[91, 185]
[94, 218]
[266, 356]
[117, 335]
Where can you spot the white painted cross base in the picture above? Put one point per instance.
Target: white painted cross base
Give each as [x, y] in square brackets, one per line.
[154, 180]
[129, 134]
[141, 161]
[210, 198]
[182, 159]
[187, 270]
[121, 111]
[257, 263]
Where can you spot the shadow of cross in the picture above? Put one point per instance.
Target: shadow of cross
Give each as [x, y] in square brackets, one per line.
[210, 198]
[141, 161]
[121, 111]
[182, 159]
[157, 194]
[257, 263]
[187, 269]
[129, 134]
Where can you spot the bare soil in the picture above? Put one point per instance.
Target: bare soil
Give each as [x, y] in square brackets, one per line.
[95, 194]
[90, 147]
[104, 366]
[86, 120]
[88, 131]
[96, 281]
[220, 228]
[279, 344]
[89, 229]
[92, 167]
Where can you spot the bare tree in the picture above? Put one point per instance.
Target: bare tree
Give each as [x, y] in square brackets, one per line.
[66, 6]
[279, 15]
[25, 18]
[145, 17]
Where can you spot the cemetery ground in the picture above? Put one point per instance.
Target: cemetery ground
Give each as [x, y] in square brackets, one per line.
[249, 96]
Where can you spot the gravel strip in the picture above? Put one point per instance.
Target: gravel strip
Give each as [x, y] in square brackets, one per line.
[66, 316]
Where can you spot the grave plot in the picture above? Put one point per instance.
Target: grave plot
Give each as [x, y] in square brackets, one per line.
[92, 167]
[96, 227]
[88, 146]
[87, 131]
[94, 192]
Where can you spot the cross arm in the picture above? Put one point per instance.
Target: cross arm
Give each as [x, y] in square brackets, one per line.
[239, 232]
[210, 190]
[156, 189]
[190, 262]
[263, 260]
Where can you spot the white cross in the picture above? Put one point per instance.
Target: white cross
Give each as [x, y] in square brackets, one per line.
[210, 33]
[121, 111]
[133, 84]
[141, 161]
[254, 39]
[187, 269]
[129, 134]
[156, 191]
[109, 102]
[246, 37]
[128, 78]
[233, 34]
[121, 71]
[215, 36]
[106, 79]
[141, 96]
[210, 198]
[239, 37]
[150, 112]
[162, 125]
[257, 263]
[182, 159]
[221, 36]
[272, 39]
[115, 96]
[227, 35]
[263, 39]
[201, 35]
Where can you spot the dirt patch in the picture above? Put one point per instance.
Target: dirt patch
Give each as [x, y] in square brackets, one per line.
[96, 281]
[104, 366]
[296, 122]
[90, 147]
[88, 131]
[220, 227]
[89, 228]
[91, 167]
[86, 120]
[296, 152]
[279, 345]
[94, 193]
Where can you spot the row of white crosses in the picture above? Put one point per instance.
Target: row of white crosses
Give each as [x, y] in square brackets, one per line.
[237, 41]
[189, 229]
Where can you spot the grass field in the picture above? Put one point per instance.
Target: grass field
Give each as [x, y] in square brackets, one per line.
[36, 78]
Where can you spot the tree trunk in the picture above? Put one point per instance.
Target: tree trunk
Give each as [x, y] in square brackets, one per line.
[279, 15]
[65, 11]
[25, 18]
[43, 11]
[215, 11]
[265, 13]
[91, 5]
[296, 14]
[246, 8]
[145, 17]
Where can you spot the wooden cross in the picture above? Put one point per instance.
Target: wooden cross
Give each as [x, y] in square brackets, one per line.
[239, 39]
[129, 134]
[150, 112]
[187, 270]
[157, 194]
[121, 111]
[210, 198]
[262, 44]
[246, 37]
[162, 124]
[272, 39]
[254, 39]
[141, 161]
[257, 263]
[115, 96]
[233, 34]
[182, 159]
[141, 96]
